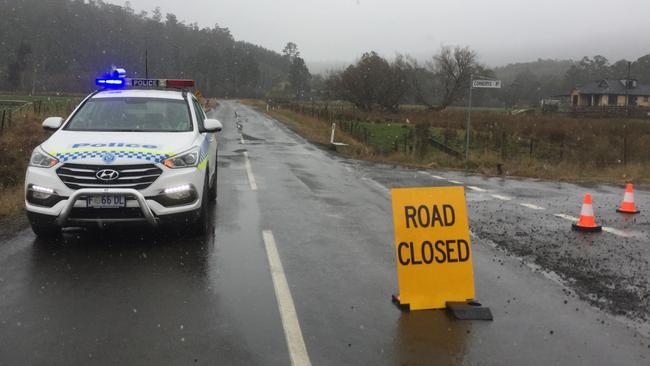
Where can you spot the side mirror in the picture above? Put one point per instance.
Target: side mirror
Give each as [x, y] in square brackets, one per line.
[212, 125]
[52, 123]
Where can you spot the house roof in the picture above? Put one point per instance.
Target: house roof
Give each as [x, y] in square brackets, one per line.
[613, 86]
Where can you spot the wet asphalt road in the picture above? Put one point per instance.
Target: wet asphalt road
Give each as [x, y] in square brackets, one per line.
[135, 297]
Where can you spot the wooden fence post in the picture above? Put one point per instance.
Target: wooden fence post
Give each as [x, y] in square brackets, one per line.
[624, 146]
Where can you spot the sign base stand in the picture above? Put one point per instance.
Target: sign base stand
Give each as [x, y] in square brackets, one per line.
[469, 310]
[398, 303]
[461, 310]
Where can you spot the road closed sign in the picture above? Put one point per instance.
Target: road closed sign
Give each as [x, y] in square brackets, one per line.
[432, 246]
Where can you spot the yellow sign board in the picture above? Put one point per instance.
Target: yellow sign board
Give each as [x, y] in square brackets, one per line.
[433, 250]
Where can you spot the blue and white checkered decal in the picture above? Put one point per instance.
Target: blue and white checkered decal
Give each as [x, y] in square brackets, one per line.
[149, 156]
[205, 149]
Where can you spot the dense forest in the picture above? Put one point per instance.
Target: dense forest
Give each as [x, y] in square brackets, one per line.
[62, 45]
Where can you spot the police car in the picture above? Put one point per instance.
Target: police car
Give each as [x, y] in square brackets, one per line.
[136, 151]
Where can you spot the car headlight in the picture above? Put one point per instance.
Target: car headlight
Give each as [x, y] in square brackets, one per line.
[183, 160]
[42, 196]
[176, 195]
[42, 159]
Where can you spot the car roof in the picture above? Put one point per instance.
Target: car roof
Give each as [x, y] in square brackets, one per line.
[140, 93]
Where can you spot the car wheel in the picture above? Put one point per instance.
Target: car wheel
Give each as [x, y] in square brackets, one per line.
[213, 189]
[201, 225]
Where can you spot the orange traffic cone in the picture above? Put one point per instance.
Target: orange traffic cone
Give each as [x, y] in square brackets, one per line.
[627, 206]
[587, 222]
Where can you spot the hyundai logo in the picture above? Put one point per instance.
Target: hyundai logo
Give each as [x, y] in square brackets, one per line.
[107, 174]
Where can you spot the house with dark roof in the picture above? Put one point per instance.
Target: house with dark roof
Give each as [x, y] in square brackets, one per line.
[611, 93]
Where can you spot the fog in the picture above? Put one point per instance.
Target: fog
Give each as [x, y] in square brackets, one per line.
[502, 31]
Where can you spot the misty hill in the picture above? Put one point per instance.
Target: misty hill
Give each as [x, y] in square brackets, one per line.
[540, 68]
[62, 45]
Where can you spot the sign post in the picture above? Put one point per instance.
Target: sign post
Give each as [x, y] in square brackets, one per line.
[487, 84]
[433, 249]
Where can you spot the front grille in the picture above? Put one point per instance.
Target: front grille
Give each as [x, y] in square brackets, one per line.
[77, 176]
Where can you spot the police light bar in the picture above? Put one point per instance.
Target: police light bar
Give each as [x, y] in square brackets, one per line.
[117, 79]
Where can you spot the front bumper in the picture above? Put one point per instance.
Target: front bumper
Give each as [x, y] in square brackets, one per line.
[71, 210]
[132, 193]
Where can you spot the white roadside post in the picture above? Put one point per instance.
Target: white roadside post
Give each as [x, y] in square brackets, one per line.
[489, 84]
[335, 145]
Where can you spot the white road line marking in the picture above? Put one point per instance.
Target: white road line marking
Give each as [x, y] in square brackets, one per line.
[377, 184]
[241, 138]
[249, 172]
[477, 189]
[531, 206]
[432, 176]
[292, 332]
[454, 181]
[566, 217]
[611, 230]
[499, 197]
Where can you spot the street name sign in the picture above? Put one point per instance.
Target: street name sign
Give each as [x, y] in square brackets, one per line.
[492, 84]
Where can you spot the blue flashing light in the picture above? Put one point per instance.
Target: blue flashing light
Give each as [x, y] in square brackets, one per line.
[108, 82]
[116, 78]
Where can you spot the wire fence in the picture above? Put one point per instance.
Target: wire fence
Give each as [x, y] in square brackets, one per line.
[13, 112]
[599, 143]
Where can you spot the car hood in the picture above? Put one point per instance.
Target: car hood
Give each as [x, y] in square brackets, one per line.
[117, 147]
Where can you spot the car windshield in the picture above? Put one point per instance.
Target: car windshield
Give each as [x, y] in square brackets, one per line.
[132, 115]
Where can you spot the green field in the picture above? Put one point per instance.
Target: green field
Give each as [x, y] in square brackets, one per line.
[386, 137]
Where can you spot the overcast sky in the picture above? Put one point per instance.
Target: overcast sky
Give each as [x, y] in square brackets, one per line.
[502, 31]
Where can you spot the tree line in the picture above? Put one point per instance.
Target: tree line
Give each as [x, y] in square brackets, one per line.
[62, 45]
[374, 82]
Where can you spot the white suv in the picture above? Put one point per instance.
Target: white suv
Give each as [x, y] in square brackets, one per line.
[125, 155]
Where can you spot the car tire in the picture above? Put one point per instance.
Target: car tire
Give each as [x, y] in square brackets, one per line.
[213, 189]
[201, 225]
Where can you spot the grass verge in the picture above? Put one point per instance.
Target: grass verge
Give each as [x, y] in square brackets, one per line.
[16, 145]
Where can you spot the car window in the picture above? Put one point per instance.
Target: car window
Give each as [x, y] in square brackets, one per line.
[200, 115]
[132, 114]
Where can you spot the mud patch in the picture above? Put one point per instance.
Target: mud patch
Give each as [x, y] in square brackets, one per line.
[615, 281]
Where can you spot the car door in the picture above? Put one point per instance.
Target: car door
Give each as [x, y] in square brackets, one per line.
[212, 137]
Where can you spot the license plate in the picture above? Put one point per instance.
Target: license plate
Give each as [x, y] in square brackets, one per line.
[106, 201]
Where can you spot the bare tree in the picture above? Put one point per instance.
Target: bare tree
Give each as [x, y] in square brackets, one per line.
[420, 80]
[442, 80]
[454, 69]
